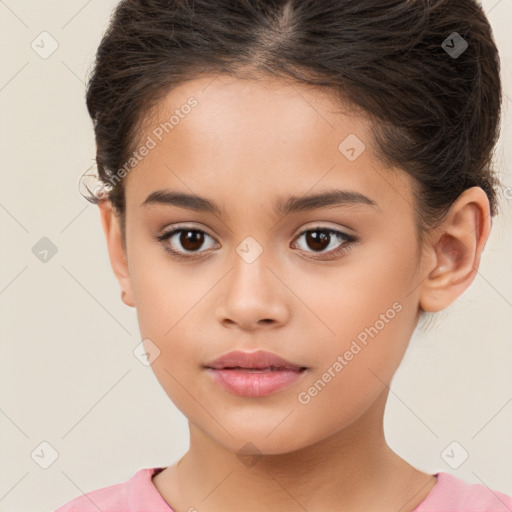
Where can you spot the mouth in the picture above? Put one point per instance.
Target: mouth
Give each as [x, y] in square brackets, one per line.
[254, 374]
[260, 370]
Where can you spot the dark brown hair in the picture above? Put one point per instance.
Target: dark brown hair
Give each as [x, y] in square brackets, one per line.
[435, 113]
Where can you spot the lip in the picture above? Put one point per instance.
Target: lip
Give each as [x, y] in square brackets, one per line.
[255, 383]
[254, 374]
[259, 359]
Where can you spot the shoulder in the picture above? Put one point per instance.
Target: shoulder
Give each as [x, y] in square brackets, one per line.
[137, 494]
[452, 494]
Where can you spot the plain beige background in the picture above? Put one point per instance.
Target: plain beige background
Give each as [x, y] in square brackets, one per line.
[68, 375]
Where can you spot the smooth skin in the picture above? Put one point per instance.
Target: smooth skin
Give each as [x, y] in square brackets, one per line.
[247, 144]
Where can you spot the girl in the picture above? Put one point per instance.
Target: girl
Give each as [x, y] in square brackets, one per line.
[288, 187]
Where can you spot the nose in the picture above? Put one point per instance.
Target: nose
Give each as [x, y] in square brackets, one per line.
[253, 297]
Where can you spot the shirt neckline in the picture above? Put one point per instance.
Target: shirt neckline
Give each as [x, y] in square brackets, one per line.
[151, 472]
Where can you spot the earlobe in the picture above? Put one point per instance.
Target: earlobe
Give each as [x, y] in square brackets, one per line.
[116, 251]
[455, 250]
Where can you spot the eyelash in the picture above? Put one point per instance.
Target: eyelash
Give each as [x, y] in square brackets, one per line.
[349, 241]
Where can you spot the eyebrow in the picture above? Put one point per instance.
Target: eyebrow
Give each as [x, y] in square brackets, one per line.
[292, 204]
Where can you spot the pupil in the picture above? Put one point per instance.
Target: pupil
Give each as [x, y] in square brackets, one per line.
[192, 237]
[317, 242]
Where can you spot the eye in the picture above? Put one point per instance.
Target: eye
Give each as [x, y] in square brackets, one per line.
[190, 239]
[320, 238]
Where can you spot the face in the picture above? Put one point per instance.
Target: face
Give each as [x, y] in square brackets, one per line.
[329, 286]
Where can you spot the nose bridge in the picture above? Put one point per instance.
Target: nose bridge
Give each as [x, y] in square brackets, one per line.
[250, 261]
[252, 294]
[251, 232]
[257, 246]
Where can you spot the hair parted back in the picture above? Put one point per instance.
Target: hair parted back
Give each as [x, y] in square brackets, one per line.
[435, 116]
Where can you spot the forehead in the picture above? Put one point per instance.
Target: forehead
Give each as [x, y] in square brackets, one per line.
[217, 135]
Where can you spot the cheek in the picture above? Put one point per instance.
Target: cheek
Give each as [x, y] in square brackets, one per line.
[367, 319]
[375, 279]
[355, 368]
[165, 291]
[380, 275]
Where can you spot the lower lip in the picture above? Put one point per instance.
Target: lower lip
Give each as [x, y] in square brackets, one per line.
[255, 384]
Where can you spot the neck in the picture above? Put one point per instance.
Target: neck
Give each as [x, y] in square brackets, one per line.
[353, 469]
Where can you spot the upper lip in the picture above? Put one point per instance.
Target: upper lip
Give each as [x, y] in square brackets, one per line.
[258, 359]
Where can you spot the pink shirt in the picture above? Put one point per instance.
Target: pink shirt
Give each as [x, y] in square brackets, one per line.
[138, 494]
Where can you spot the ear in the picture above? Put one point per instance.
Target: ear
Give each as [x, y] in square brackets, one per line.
[116, 250]
[455, 249]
